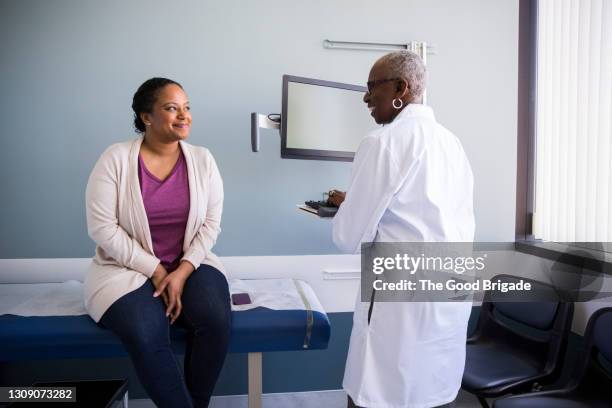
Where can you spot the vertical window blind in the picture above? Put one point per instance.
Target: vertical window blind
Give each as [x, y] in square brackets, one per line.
[573, 156]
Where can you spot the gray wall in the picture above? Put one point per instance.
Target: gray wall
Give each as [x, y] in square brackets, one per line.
[69, 69]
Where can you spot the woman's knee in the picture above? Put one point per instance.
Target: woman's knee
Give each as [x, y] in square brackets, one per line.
[138, 320]
[209, 276]
[204, 315]
[149, 333]
[206, 300]
[212, 320]
[207, 288]
[146, 334]
[221, 321]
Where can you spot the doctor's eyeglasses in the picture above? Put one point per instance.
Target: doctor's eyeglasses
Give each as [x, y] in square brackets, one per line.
[373, 84]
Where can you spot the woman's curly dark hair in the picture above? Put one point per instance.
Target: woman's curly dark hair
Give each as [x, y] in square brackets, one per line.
[145, 97]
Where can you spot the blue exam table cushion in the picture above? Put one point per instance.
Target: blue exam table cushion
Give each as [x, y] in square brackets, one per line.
[56, 337]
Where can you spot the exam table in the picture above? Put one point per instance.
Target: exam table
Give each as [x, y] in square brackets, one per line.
[254, 331]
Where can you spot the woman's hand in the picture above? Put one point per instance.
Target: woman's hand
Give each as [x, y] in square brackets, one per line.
[336, 197]
[159, 275]
[173, 285]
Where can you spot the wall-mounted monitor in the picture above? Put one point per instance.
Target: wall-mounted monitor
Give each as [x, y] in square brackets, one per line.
[322, 120]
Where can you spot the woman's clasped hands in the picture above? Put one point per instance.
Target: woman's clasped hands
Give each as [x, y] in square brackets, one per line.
[170, 287]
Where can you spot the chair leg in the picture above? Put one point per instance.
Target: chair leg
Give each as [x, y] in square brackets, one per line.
[483, 401]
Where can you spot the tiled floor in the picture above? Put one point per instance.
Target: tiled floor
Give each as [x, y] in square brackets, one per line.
[319, 399]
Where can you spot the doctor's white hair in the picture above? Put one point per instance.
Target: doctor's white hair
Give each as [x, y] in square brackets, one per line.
[409, 66]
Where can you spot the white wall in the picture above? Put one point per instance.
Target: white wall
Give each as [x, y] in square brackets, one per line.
[70, 68]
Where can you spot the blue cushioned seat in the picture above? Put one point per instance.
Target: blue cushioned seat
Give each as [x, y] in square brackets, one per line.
[497, 364]
[255, 330]
[516, 344]
[591, 383]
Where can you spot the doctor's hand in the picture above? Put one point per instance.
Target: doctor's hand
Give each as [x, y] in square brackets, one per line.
[158, 276]
[336, 197]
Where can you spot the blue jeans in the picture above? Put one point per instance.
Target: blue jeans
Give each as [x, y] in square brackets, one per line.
[139, 320]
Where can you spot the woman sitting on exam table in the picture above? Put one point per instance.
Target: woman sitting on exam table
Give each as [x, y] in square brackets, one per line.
[410, 182]
[154, 209]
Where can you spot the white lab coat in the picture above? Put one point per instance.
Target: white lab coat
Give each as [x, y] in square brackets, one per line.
[410, 181]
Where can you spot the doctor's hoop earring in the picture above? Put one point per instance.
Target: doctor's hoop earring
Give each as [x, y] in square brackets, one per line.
[401, 103]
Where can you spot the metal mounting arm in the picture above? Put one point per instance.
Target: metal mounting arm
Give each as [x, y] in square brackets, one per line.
[261, 121]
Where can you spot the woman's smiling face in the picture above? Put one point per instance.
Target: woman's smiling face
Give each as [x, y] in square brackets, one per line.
[170, 118]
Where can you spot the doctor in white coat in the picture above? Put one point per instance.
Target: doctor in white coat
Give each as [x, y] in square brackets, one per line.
[410, 182]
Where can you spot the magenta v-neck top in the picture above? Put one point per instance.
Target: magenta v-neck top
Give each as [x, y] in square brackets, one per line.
[167, 206]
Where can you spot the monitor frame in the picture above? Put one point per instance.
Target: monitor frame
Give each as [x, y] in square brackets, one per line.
[311, 154]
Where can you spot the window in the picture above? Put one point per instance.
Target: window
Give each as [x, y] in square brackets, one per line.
[573, 149]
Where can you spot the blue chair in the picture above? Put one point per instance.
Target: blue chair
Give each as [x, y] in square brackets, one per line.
[591, 382]
[517, 345]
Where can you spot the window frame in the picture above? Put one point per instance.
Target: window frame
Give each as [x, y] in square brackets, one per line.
[526, 120]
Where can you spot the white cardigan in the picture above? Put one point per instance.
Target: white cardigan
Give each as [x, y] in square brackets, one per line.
[117, 222]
